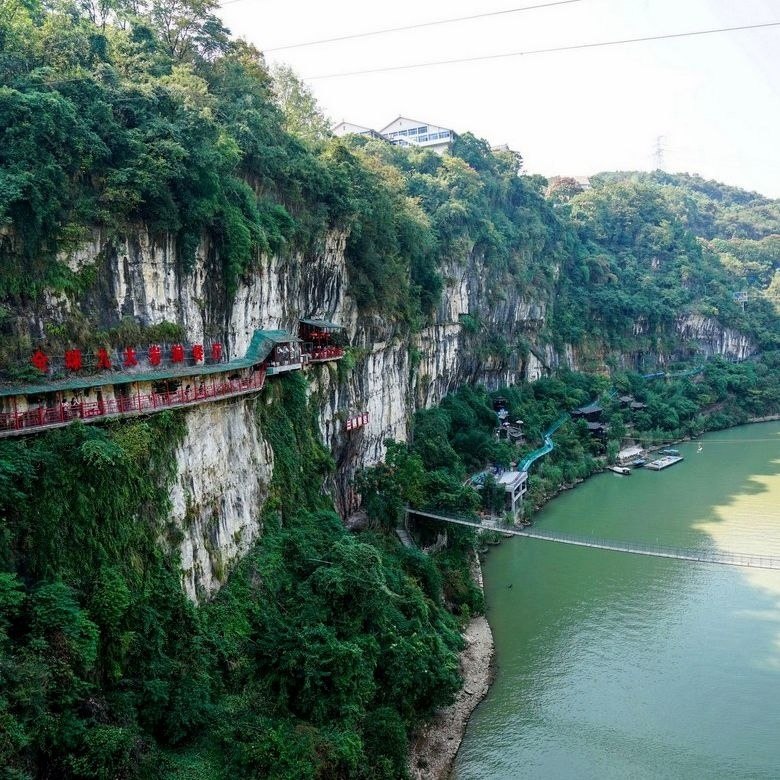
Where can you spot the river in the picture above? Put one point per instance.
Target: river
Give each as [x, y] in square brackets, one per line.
[611, 665]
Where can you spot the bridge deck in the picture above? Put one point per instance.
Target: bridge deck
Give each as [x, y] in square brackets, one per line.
[635, 548]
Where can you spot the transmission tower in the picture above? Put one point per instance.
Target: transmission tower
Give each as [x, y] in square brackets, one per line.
[658, 152]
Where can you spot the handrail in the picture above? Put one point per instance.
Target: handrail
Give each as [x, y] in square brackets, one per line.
[726, 558]
[131, 404]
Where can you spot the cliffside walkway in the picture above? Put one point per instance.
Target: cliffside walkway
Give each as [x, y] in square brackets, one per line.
[147, 381]
[635, 548]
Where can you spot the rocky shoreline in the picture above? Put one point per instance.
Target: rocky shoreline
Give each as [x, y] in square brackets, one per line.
[436, 744]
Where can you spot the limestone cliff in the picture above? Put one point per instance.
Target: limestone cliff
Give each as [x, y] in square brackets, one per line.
[224, 464]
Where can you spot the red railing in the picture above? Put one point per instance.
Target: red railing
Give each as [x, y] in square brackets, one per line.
[132, 403]
[327, 352]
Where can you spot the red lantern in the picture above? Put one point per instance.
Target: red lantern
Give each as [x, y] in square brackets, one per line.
[216, 352]
[197, 353]
[73, 360]
[177, 353]
[130, 358]
[103, 360]
[155, 355]
[40, 361]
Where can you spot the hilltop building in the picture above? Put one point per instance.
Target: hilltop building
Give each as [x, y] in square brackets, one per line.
[347, 128]
[403, 131]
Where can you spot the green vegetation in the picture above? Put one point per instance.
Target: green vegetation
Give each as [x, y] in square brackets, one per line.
[324, 649]
[147, 116]
[723, 395]
[314, 661]
[458, 438]
[665, 244]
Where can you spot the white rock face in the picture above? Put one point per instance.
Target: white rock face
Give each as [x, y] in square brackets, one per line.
[711, 338]
[224, 464]
[279, 292]
[224, 467]
[140, 278]
[144, 283]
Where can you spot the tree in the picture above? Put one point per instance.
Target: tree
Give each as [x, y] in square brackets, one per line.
[189, 27]
[302, 115]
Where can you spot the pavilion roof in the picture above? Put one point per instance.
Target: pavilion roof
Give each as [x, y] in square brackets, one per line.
[315, 323]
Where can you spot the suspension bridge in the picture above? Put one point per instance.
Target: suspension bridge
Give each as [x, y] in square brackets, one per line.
[746, 560]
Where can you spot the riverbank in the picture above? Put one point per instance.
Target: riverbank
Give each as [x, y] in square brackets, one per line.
[766, 418]
[692, 638]
[436, 744]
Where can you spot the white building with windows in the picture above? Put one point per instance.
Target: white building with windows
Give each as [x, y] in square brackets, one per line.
[345, 128]
[403, 131]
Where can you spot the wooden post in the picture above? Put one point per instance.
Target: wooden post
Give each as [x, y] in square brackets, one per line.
[138, 394]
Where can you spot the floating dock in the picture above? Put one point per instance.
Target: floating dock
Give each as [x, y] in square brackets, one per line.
[663, 463]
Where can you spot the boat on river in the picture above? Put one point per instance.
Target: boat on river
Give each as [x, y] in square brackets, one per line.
[670, 451]
[622, 470]
[664, 463]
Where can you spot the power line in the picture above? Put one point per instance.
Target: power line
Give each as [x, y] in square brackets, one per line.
[551, 50]
[406, 27]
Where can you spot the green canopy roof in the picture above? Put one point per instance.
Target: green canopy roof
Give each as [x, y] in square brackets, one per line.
[276, 336]
[322, 324]
[263, 341]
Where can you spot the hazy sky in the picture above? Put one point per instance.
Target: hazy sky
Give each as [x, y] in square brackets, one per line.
[715, 99]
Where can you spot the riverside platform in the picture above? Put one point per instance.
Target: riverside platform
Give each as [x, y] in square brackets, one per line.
[663, 463]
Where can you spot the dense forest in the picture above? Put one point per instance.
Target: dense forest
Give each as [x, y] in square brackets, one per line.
[316, 659]
[326, 648]
[458, 438]
[117, 115]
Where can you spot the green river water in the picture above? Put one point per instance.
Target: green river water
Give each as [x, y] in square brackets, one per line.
[612, 665]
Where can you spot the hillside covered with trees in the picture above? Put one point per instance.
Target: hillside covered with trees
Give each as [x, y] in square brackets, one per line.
[119, 115]
[325, 649]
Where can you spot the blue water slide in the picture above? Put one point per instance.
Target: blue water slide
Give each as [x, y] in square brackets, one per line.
[547, 447]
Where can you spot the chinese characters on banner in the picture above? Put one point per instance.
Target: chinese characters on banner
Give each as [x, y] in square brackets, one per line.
[103, 360]
[177, 353]
[130, 358]
[41, 361]
[353, 423]
[73, 360]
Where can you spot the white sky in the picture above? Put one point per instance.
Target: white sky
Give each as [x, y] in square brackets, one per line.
[715, 99]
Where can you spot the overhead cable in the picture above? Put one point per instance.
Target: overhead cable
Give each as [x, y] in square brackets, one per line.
[419, 25]
[550, 50]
